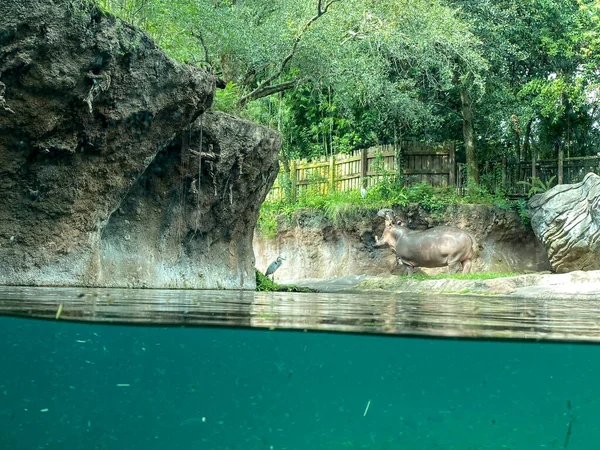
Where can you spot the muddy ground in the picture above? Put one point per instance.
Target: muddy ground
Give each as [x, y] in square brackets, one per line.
[578, 285]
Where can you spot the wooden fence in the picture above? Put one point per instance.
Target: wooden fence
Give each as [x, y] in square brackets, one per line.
[429, 163]
[509, 177]
[419, 162]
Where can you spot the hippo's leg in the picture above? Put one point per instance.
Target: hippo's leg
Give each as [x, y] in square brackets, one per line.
[466, 266]
[409, 269]
[454, 267]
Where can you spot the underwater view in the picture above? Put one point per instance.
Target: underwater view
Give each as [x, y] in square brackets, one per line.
[77, 386]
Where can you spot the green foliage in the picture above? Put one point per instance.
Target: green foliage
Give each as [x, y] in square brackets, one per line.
[522, 210]
[479, 194]
[342, 207]
[430, 198]
[461, 276]
[264, 284]
[270, 212]
[226, 100]
[365, 72]
[537, 186]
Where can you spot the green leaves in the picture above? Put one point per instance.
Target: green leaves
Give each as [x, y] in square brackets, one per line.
[367, 72]
[537, 186]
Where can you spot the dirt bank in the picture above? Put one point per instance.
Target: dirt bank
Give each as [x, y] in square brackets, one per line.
[316, 247]
[578, 285]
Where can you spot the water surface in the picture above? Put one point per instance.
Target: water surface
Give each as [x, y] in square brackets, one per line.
[88, 386]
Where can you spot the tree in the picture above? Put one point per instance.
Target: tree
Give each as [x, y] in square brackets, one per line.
[539, 86]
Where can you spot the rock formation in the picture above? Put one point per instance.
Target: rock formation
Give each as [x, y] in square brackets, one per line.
[566, 219]
[169, 233]
[99, 184]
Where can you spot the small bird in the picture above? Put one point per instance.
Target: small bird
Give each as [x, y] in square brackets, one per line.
[274, 266]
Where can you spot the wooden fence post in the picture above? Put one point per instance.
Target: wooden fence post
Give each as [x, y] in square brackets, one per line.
[398, 160]
[533, 168]
[331, 173]
[452, 164]
[293, 181]
[363, 167]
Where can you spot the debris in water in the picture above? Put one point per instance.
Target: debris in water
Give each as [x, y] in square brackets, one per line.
[367, 408]
[59, 312]
[568, 435]
[569, 426]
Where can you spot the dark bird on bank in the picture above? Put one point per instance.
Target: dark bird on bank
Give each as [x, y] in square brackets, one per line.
[274, 266]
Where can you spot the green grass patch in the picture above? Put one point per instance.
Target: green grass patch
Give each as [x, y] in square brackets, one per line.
[461, 276]
[264, 284]
[339, 207]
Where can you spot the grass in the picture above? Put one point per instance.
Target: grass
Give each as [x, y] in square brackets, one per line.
[264, 284]
[337, 207]
[461, 276]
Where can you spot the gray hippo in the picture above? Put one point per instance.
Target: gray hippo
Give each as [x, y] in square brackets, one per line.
[435, 247]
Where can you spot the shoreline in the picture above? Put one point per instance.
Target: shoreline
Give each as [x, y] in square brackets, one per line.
[577, 285]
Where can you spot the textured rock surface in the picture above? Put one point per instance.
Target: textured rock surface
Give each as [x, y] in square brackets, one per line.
[86, 104]
[566, 219]
[316, 248]
[168, 234]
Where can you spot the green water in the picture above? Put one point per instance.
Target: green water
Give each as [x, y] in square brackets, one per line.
[203, 388]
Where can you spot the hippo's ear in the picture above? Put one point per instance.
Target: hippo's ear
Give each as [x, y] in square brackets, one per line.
[387, 214]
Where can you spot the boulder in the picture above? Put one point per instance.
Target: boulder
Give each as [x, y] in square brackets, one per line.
[168, 232]
[566, 219]
[99, 132]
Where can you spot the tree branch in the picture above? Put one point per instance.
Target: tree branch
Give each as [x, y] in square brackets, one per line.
[269, 90]
[201, 39]
[253, 95]
[221, 84]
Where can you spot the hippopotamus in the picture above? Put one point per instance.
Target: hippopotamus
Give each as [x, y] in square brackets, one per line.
[436, 247]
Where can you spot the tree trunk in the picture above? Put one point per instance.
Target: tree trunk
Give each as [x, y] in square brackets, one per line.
[469, 136]
[526, 140]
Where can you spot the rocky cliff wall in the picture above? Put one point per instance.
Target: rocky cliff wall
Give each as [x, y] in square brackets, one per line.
[169, 233]
[96, 177]
[316, 248]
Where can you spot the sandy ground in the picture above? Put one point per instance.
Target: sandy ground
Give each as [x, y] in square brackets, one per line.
[578, 285]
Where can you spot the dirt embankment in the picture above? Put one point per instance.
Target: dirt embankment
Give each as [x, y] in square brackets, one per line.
[314, 247]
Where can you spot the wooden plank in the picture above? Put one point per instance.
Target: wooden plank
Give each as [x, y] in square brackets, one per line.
[451, 165]
[347, 159]
[437, 163]
[427, 152]
[348, 177]
[363, 167]
[313, 165]
[425, 172]
[573, 158]
[293, 181]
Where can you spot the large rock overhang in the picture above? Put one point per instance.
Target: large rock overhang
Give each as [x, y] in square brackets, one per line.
[87, 102]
